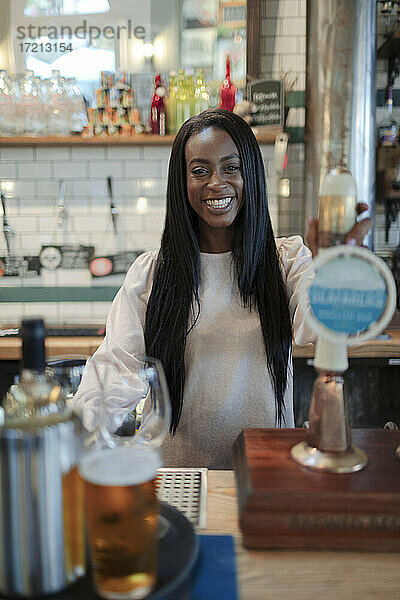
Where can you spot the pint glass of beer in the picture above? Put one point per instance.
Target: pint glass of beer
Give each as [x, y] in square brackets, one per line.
[119, 471]
[121, 513]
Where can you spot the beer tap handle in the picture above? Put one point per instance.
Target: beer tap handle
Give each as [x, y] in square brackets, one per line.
[61, 210]
[8, 233]
[113, 208]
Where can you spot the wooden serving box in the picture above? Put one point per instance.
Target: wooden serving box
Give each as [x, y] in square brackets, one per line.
[285, 505]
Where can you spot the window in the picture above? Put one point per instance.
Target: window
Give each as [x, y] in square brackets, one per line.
[85, 61]
[57, 34]
[51, 8]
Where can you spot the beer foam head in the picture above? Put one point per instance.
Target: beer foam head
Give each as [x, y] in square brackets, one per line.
[120, 466]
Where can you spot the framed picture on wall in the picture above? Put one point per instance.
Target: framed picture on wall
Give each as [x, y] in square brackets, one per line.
[199, 13]
[232, 13]
[198, 47]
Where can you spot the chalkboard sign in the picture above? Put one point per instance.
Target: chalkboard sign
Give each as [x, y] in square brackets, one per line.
[267, 100]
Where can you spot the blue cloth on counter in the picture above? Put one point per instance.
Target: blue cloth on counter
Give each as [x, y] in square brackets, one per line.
[214, 575]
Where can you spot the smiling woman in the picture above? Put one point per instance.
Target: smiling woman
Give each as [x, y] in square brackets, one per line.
[216, 303]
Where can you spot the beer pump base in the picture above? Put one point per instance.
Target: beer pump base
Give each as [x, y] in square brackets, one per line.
[351, 461]
[285, 505]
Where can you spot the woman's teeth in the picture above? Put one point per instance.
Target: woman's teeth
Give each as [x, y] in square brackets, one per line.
[219, 202]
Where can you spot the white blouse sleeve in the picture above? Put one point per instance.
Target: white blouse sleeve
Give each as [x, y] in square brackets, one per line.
[123, 340]
[296, 262]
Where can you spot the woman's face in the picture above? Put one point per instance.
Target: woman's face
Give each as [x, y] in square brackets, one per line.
[214, 186]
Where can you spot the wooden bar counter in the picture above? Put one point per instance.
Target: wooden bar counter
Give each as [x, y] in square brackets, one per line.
[299, 574]
[10, 347]
[375, 348]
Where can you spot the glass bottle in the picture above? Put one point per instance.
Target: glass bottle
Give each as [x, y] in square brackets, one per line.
[182, 105]
[158, 110]
[35, 395]
[228, 89]
[201, 95]
[190, 93]
[31, 105]
[336, 207]
[388, 129]
[16, 112]
[6, 104]
[77, 114]
[41, 115]
[171, 101]
[39, 452]
[57, 105]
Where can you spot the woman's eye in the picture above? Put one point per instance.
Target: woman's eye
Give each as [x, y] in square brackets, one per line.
[233, 168]
[199, 171]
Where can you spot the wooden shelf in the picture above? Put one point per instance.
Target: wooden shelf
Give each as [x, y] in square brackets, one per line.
[136, 140]
[76, 140]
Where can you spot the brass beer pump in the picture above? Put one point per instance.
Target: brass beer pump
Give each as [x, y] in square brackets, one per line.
[350, 299]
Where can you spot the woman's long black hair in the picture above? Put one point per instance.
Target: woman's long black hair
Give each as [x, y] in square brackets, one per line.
[174, 304]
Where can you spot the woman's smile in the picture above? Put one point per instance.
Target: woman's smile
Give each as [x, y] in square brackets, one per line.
[217, 205]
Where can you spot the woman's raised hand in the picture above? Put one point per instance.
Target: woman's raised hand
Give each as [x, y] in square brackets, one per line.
[354, 237]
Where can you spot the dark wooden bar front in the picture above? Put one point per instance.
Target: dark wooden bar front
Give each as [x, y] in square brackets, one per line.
[285, 505]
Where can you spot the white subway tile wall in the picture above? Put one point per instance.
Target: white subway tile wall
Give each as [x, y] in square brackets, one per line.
[30, 179]
[283, 53]
[139, 189]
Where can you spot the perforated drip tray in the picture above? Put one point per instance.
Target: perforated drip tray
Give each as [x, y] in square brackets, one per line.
[186, 490]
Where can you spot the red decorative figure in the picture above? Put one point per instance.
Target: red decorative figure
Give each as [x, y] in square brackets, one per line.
[228, 89]
[158, 110]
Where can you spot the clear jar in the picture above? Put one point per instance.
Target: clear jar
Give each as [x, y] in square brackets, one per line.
[6, 105]
[77, 114]
[32, 121]
[336, 207]
[57, 116]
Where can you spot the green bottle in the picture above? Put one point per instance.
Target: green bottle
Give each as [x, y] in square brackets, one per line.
[182, 105]
[201, 95]
[172, 104]
[190, 94]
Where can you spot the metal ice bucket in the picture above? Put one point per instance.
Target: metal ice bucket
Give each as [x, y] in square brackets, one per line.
[41, 517]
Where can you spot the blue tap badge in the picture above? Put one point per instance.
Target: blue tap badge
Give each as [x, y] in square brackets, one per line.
[348, 295]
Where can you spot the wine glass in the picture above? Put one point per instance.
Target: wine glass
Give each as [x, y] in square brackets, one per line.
[68, 371]
[128, 417]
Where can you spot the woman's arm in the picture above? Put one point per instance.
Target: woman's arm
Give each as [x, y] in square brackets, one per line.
[296, 262]
[123, 340]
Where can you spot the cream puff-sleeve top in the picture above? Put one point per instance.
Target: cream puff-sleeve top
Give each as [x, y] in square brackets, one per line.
[227, 385]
